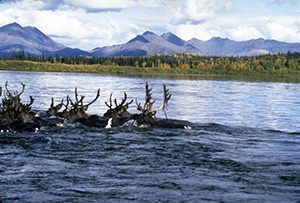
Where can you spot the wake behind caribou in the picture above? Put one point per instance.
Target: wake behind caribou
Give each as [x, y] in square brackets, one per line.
[19, 117]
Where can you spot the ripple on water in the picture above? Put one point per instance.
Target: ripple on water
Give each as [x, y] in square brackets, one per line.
[218, 160]
[209, 163]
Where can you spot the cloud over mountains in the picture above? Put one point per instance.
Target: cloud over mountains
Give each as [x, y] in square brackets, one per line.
[90, 23]
[15, 38]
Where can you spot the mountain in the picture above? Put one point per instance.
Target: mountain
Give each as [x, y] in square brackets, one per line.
[170, 37]
[15, 38]
[168, 43]
[219, 46]
[147, 43]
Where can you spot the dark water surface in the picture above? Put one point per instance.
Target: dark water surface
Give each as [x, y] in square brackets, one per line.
[244, 145]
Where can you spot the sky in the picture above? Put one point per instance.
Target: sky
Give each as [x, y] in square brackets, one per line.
[87, 24]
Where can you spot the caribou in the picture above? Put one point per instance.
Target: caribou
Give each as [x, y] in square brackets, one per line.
[119, 113]
[120, 110]
[147, 115]
[53, 110]
[15, 115]
[75, 111]
[78, 110]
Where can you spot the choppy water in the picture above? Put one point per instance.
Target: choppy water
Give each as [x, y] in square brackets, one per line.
[244, 145]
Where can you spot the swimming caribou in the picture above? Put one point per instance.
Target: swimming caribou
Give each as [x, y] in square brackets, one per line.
[15, 115]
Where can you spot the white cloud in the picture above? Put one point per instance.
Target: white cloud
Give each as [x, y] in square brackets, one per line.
[89, 5]
[243, 32]
[283, 32]
[279, 28]
[87, 24]
[100, 5]
[227, 7]
[6, 17]
[189, 31]
[200, 10]
[36, 4]
[31, 4]
[281, 2]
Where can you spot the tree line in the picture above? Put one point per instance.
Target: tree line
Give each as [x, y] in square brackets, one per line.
[287, 63]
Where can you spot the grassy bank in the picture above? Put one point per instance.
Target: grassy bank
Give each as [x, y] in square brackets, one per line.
[18, 65]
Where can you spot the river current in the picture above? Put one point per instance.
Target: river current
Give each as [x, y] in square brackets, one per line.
[243, 145]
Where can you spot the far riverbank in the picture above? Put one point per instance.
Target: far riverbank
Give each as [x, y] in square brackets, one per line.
[18, 65]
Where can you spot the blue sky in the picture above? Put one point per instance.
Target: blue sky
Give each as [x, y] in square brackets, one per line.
[87, 24]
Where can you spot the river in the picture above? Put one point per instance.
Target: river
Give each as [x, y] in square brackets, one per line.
[244, 144]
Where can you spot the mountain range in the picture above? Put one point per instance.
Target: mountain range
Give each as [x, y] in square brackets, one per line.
[15, 38]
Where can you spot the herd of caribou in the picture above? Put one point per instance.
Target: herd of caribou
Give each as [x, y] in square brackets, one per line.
[19, 117]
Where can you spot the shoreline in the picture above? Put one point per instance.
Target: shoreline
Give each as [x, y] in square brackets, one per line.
[31, 66]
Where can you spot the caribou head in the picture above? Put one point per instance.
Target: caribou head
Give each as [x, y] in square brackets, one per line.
[77, 109]
[13, 99]
[120, 110]
[13, 109]
[147, 112]
[24, 111]
[53, 110]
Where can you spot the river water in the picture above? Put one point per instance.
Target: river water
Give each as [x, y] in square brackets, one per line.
[244, 145]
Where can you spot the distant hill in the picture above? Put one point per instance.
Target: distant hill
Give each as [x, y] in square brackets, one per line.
[219, 46]
[168, 43]
[147, 43]
[15, 38]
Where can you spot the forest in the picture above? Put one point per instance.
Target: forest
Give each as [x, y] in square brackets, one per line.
[287, 64]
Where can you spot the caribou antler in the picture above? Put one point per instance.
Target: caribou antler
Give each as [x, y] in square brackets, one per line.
[110, 103]
[97, 96]
[31, 101]
[76, 95]
[116, 103]
[22, 90]
[148, 104]
[53, 110]
[167, 97]
[16, 93]
[8, 93]
[123, 101]
[139, 105]
[67, 104]
[27, 106]
[52, 102]
[148, 97]
[79, 102]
